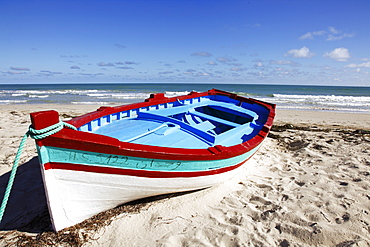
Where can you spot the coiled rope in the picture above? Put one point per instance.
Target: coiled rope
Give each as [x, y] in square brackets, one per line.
[35, 134]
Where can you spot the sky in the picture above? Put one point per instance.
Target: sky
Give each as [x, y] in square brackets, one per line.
[301, 42]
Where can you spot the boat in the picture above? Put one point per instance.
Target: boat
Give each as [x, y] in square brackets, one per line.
[159, 146]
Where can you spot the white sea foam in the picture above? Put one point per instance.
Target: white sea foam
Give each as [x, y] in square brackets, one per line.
[98, 94]
[111, 94]
[90, 103]
[38, 96]
[27, 92]
[323, 97]
[322, 102]
[174, 93]
[18, 94]
[322, 108]
[12, 101]
[119, 95]
[130, 95]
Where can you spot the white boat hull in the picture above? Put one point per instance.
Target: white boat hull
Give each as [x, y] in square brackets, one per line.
[74, 196]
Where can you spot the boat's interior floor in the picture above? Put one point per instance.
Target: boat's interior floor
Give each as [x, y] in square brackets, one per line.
[186, 126]
[143, 131]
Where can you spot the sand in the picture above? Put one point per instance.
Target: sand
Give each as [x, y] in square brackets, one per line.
[309, 185]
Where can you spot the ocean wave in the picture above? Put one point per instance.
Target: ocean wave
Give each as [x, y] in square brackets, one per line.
[91, 103]
[98, 94]
[322, 108]
[32, 92]
[26, 92]
[244, 94]
[119, 95]
[333, 99]
[171, 94]
[341, 103]
[18, 94]
[348, 103]
[180, 93]
[323, 97]
[130, 95]
[38, 96]
[12, 101]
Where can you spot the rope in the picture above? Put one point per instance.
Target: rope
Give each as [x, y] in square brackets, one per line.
[35, 134]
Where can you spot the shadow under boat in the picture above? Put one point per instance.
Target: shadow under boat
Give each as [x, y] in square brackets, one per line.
[27, 209]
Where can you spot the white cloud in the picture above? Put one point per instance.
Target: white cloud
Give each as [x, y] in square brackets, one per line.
[124, 67]
[339, 54]
[318, 33]
[105, 64]
[127, 63]
[165, 72]
[211, 63]
[331, 34]
[202, 74]
[15, 72]
[50, 73]
[91, 75]
[258, 64]
[285, 62]
[237, 69]
[333, 30]
[310, 35]
[19, 69]
[191, 70]
[332, 37]
[202, 54]
[361, 65]
[304, 52]
[73, 56]
[226, 59]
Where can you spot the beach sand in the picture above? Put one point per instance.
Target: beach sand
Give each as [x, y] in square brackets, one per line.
[309, 185]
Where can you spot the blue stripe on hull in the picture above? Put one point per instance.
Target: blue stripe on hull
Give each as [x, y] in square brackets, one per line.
[61, 155]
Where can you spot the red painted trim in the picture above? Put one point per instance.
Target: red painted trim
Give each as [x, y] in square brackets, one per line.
[43, 119]
[91, 142]
[137, 173]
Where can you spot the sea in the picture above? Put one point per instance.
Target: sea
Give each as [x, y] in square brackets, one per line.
[297, 97]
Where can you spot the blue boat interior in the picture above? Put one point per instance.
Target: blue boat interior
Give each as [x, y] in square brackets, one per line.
[193, 123]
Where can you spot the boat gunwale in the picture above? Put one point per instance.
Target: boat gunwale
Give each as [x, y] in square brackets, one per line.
[86, 141]
[107, 110]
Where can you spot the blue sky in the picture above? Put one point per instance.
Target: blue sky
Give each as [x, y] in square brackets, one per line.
[324, 42]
